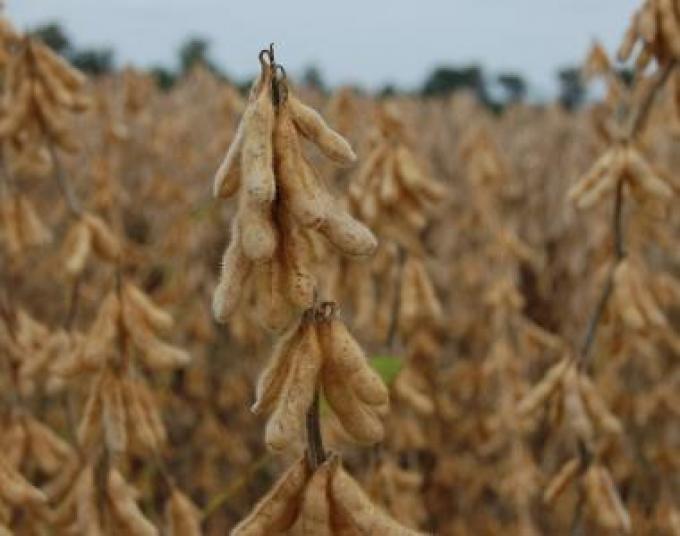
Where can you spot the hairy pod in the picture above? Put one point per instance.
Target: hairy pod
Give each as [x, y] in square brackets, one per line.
[235, 269]
[125, 508]
[350, 361]
[314, 128]
[227, 179]
[183, 518]
[300, 189]
[276, 512]
[273, 378]
[286, 424]
[350, 236]
[315, 514]
[354, 508]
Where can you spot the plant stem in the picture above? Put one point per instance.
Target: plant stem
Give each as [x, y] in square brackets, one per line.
[72, 201]
[315, 450]
[636, 124]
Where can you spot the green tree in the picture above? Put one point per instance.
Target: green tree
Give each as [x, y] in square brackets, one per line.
[53, 35]
[444, 80]
[313, 78]
[93, 61]
[165, 78]
[196, 51]
[514, 85]
[572, 89]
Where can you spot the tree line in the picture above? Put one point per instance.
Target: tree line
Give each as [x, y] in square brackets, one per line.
[494, 91]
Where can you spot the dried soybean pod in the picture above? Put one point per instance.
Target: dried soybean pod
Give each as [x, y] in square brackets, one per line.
[72, 78]
[314, 128]
[150, 412]
[47, 448]
[257, 152]
[645, 176]
[300, 282]
[351, 362]
[606, 184]
[53, 118]
[597, 409]
[274, 310]
[407, 169]
[358, 419]
[408, 387]
[628, 43]
[604, 500]
[623, 291]
[113, 415]
[286, 423]
[408, 297]
[32, 230]
[228, 176]
[352, 503]
[349, 235]
[273, 377]
[105, 243]
[428, 295]
[86, 502]
[142, 435]
[365, 304]
[16, 490]
[89, 428]
[276, 512]
[183, 518]
[299, 188]
[155, 353]
[21, 106]
[357, 189]
[669, 25]
[389, 187]
[596, 171]
[559, 482]
[235, 270]
[152, 315]
[576, 415]
[77, 247]
[543, 389]
[10, 227]
[315, 514]
[125, 508]
[57, 488]
[257, 231]
[258, 187]
[54, 85]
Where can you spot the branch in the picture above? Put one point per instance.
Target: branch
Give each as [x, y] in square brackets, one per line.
[315, 450]
[637, 122]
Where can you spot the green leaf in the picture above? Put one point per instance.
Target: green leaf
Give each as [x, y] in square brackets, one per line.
[387, 366]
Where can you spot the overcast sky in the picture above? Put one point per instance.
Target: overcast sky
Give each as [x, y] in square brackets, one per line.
[367, 42]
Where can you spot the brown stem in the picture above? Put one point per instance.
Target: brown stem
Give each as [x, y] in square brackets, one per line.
[394, 320]
[74, 299]
[637, 123]
[72, 201]
[601, 305]
[315, 450]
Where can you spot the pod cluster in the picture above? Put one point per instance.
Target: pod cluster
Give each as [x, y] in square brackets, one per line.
[319, 350]
[326, 501]
[280, 202]
[656, 27]
[41, 92]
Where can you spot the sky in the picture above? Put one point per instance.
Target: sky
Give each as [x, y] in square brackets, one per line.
[371, 43]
